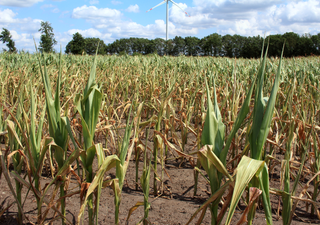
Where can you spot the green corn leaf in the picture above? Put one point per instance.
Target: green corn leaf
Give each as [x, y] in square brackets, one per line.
[213, 130]
[6, 175]
[47, 144]
[207, 153]
[145, 181]
[67, 125]
[58, 155]
[107, 164]
[100, 154]
[57, 94]
[92, 77]
[57, 128]
[214, 177]
[90, 155]
[35, 137]
[264, 186]
[126, 140]
[12, 132]
[51, 110]
[246, 169]
[93, 114]
[258, 111]
[267, 117]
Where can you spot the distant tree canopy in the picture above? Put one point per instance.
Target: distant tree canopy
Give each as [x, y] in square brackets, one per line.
[79, 45]
[76, 45]
[211, 45]
[6, 37]
[47, 40]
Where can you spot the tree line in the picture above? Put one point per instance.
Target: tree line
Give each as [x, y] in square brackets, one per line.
[211, 45]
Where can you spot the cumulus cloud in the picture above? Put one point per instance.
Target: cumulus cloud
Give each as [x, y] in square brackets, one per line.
[299, 12]
[8, 19]
[21, 29]
[250, 17]
[19, 3]
[89, 33]
[133, 8]
[92, 12]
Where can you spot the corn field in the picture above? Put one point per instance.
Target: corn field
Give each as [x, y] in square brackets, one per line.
[159, 140]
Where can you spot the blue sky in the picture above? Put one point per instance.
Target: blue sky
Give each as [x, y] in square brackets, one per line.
[111, 20]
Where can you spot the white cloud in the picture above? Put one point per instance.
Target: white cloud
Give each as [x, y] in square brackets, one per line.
[116, 2]
[89, 33]
[133, 8]
[7, 17]
[92, 12]
[299, 17]
[19, 3]
[94, 2]
[250, 17]
[299, 12]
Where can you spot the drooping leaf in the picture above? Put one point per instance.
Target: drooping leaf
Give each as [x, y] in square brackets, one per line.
[246, 169]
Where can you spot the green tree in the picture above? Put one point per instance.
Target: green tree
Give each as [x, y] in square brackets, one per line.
[316, 44]
[291, 39]
[150, 47]
[91, 45]
[77, 45]
[160, 46]
[6, 37]
[47, 40]
[192, 45]
[211, 45]
[137, 45]
[179, 45]
[238, 43]
[169, 47]
[228, 45]
[275, 45]
[252, 47]
[304, 47]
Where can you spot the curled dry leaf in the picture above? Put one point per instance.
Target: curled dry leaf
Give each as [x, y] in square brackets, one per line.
[253, 195]
[84, 188]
